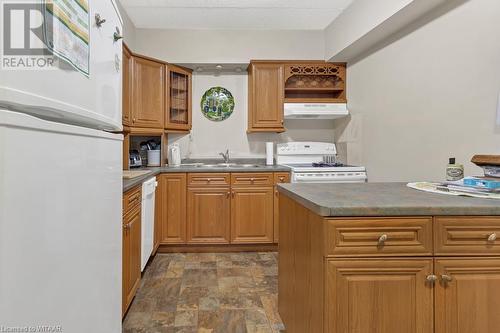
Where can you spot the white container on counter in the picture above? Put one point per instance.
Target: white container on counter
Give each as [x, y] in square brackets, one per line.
[154, 158]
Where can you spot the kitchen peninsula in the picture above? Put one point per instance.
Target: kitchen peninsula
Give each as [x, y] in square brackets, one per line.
[381, 257]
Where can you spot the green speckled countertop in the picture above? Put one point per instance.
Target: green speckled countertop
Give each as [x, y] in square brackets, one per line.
[383, 199]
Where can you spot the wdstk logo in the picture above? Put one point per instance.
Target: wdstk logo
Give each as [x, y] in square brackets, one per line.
[23, 33]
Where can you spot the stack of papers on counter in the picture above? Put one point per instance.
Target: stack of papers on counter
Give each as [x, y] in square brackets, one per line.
[455, 188]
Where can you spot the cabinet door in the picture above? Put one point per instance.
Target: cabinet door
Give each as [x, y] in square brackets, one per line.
[148, 93]
[127, 71]
[468, 296]
[266, 98]
[279, 178]
[379, 296]
[252, 213]
[131, 257]
[178, 106]
[208, 217]
[172, 189]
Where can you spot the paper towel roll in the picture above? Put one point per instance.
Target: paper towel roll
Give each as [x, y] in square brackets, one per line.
[269, 153]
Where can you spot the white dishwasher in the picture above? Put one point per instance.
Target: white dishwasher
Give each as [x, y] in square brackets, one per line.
[147, 219]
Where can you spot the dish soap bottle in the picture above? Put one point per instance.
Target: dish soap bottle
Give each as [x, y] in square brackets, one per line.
[454, 171]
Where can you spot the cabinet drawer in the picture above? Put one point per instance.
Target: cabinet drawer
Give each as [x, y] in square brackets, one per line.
[200, 179]
[281, 177]
[467, 235]
[379, 237]
[132, 199]
[252, 178]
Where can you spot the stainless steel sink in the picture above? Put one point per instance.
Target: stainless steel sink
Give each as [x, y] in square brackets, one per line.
[229, 165]
[247, 166]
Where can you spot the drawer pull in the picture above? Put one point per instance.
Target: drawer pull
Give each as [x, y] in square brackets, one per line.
[431, 278]
[446, 278]
[382, 239]
[282, 179]
[492, 237]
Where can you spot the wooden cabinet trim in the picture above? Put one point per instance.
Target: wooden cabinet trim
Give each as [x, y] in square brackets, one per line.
[132, 199]
[461, 235]
[209, 179]
[252, 178]
[406, 236]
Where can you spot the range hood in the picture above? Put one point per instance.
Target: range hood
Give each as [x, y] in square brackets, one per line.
[315, 110]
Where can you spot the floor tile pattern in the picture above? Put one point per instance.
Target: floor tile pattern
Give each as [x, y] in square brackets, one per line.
[207, 293]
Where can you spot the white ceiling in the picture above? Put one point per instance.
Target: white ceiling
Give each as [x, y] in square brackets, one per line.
[234, 14]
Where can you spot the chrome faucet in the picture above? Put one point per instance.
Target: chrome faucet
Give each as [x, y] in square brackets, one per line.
[225, 156]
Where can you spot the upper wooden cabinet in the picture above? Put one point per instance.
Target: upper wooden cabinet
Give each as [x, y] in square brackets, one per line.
[127, 86]
[178, 101]
[265, 97]
[271, 84]
[148, 93]
[315, 82]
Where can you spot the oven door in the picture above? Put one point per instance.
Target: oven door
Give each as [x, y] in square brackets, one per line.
[329, 177]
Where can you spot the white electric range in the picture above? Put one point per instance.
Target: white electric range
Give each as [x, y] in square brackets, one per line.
[306, 159]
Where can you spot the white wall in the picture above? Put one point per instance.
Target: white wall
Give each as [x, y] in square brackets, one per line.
[229, 46]
[208, 138]
[358, 19]
[430, 94]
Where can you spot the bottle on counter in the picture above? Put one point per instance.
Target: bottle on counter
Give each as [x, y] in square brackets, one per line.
[454, 171]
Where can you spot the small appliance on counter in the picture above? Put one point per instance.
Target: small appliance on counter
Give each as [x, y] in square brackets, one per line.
[135, 160]
[174, 155]
[316, 162]
[154, 157]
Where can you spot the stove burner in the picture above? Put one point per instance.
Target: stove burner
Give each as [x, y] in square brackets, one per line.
[326, 165]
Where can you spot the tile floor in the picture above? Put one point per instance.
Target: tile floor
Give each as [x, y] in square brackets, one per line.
[207, 292]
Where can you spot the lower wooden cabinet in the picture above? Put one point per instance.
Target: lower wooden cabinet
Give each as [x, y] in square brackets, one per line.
[252, 210]
[410, 289]
[217, 208]
[467, 297]
[131, 257]
[171, 208]
[208, 215]
[390, 296]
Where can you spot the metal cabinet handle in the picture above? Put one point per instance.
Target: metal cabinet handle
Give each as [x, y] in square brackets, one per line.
[228, 194]
[282, 179]
[99, 21]
[446, 278]
[492, 237]
[117, 35]
[431, 278]
[232, 193]
[382, 239]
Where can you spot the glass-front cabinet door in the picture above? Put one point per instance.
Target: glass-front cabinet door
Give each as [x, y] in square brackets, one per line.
[178, 115]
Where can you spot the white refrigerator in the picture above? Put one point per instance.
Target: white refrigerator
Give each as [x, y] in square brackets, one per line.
[60, 192]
